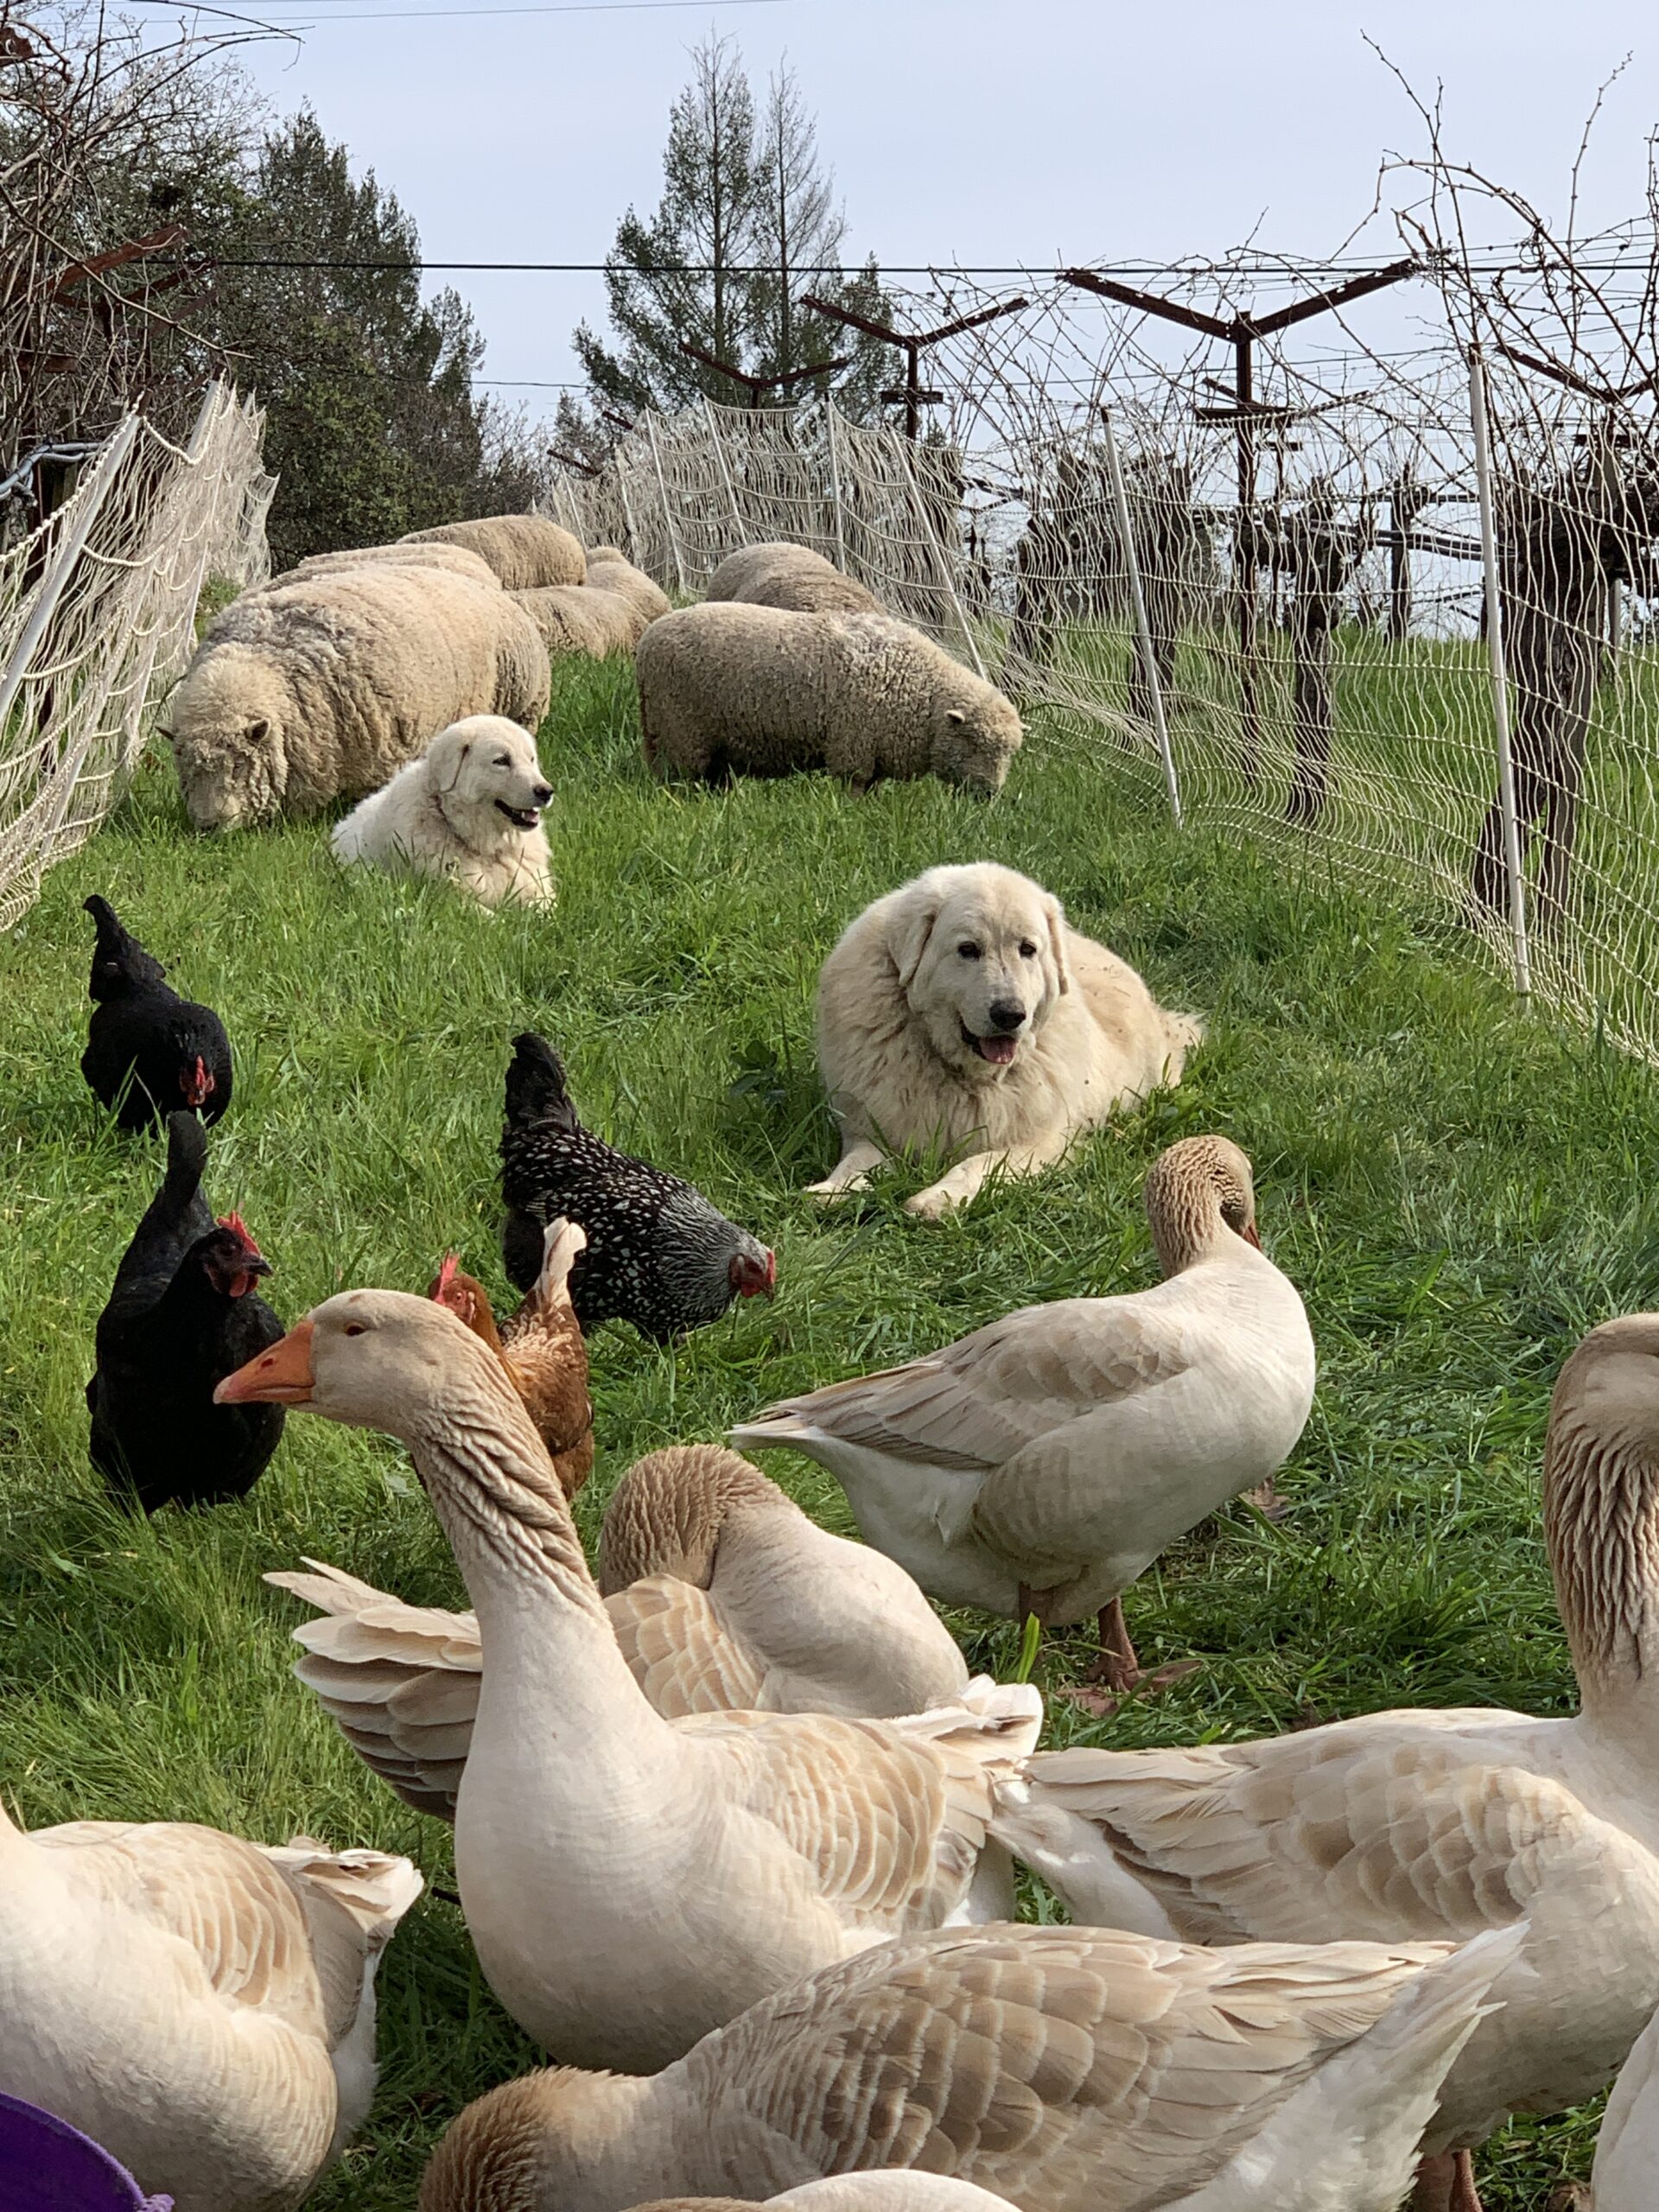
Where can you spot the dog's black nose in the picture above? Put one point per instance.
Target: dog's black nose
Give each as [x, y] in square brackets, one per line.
[1006, 1015]
[541, 795]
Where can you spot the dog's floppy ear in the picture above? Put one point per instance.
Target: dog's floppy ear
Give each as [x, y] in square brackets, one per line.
[1054, 914]
[910, 936]
[446, 771]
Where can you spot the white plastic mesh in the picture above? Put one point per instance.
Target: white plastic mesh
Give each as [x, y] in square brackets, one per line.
[97, 617]
[1319, 651]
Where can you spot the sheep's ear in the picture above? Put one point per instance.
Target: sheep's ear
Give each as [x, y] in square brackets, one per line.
[1055, 915]
[259, 730]
[910, 940]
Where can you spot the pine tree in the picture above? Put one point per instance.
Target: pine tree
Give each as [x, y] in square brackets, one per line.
[799, 229]
[738, 198]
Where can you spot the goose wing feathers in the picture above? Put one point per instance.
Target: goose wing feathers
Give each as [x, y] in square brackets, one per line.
[891, 1815]
[1045, 2063]
[1393, 1828]
[980, 1400]
[289, 1931]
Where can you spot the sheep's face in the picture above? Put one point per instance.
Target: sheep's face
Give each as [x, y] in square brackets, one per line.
[225, 729]
[972, 743]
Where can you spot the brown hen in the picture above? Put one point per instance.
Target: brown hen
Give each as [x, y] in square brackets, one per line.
[540, 1347]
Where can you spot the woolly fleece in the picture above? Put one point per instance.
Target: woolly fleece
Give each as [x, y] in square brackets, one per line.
[307, 692]
[728, 688]
[526, 551]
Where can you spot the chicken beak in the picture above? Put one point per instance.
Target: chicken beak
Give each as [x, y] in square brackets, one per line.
[280, 1377]
[1250, 1234]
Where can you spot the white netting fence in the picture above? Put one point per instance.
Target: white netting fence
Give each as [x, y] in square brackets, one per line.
[97, 617]
[1311, 633]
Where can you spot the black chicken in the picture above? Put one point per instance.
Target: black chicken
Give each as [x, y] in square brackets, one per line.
[181, 1316]
[176, 1052]
[659, 1254]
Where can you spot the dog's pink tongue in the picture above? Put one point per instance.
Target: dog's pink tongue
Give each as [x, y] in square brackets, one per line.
[998, 1050]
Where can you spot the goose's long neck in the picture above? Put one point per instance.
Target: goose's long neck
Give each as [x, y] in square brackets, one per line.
[540, 1615]
[1601, 1527]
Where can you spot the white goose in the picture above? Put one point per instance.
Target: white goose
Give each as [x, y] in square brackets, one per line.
[724, 1598]
[1040, 1465]
[1626, 2175]
[1062, 2069]
[630, 1883]
[201, 2006]
[1409, 1825]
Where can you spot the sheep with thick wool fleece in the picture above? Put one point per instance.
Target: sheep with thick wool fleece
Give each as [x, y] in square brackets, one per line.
[609, 571]
[792, 577]
[303, 693]
[526, 551]
[456, 558]
[575, 619]
[728, 688]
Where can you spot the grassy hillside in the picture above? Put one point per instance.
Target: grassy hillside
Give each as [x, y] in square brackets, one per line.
[1458, 1190]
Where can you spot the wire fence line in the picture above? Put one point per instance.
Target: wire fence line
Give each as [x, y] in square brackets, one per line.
[98, 609]
[1323, 627]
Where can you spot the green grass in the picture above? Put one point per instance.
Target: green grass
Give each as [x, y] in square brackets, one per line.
[1459, 1191]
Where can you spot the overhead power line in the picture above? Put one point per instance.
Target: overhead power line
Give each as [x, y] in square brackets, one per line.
[1215, 273]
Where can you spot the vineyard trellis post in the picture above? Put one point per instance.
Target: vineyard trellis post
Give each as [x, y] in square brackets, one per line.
[713, 421]
[1480, 422]
[65, 557]
[830, 411]
[662, 486]
[636, 544]
[907, 461]
[1142, 626]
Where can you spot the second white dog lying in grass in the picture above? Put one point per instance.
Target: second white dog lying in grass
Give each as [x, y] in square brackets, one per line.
[469, 809]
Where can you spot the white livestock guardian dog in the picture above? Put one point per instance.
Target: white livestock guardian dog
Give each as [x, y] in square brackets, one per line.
[469, 809]
[961, 1011]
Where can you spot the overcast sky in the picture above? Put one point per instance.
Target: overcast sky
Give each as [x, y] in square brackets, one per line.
[977, 131]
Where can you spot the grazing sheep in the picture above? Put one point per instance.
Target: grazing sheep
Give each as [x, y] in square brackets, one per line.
[726, 689]
[608, 570]
[321, 689]
[456, 558]
[526, 551]
[792, 577]
[470, 808]
[962, 1011]
[575, 619]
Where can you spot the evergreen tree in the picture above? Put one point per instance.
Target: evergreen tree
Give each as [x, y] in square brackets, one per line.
[799, 229]
[745, 206]
[372, 427]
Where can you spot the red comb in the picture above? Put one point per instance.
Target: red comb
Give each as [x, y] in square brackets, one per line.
[445, 1275]
[237, 1227]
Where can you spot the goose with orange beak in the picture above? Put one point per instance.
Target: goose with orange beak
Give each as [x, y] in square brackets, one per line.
[630, 1883]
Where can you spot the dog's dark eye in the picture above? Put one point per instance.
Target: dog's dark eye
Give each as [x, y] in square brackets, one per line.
[502, 760]
[355, 1329]
[1027, 949]
[969, 951]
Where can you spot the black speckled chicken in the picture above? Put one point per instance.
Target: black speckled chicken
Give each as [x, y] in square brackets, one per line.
[659, 1254]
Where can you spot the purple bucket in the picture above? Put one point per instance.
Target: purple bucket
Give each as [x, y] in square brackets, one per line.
[45, 2165]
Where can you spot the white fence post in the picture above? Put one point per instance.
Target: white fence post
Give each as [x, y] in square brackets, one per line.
[830, 413]
[907, 458]
[636, 543]
[65, 557]
[713, 421]
[1478, 415]
[1142, 626]
[662, 486]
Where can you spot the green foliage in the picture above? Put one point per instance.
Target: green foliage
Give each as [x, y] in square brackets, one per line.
[739, 193]
[1459, 1190]
[372, 427]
